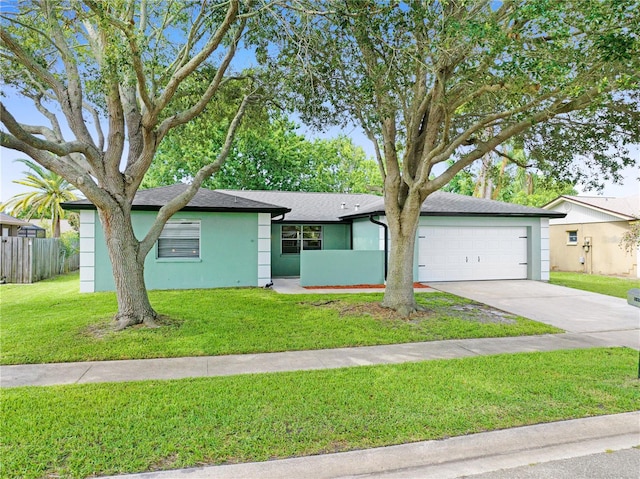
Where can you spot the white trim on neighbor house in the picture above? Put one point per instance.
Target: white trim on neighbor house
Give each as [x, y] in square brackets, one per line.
[603, 214]
[580, 213]
[264, 249]
[87, 250]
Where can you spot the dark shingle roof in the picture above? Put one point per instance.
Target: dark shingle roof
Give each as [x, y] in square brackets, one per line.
[204, 200]
[311, 207]
[451, 204]
[306, 207]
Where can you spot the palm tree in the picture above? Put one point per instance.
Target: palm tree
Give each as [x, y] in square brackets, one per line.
[50, 191]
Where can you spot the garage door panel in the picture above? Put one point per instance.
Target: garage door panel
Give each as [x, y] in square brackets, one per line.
[472, 253]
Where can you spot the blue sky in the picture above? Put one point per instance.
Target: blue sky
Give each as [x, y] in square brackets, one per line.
[25, 112]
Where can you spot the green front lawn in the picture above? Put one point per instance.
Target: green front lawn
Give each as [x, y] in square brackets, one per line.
[50, 321]
[82, 430]
[609, 285]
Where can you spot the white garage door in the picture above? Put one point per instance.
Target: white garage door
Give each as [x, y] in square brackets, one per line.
[448, 253]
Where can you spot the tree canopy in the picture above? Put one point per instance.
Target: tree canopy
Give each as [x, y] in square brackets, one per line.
[267, 156]
[500, 179]
[436, 81]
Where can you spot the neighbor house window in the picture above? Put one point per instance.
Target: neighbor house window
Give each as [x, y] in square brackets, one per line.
[572, 237]
[301, 237]
[180, 239]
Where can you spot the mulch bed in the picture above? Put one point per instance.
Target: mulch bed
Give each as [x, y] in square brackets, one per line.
[475, 312]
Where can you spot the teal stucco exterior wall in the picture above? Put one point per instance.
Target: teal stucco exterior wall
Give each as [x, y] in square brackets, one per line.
[334, 237]
[366, 235]
[341, 267]
[228, 254]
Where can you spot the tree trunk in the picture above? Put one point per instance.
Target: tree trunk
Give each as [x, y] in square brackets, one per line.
[398, 293]
[55, 226]
[128, 270]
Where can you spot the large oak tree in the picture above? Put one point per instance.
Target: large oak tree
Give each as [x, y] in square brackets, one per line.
[437, 85]
[107, 77]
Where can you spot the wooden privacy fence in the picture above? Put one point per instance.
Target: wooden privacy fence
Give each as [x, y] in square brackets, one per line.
[27, 260]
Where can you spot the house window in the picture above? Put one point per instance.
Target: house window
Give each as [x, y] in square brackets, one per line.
[297, 237]
[572, 237]
[180, 239]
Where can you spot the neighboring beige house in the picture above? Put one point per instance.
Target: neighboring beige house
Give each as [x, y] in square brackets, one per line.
[587, 240]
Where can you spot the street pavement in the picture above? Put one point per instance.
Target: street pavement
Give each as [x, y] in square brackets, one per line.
[624, 464]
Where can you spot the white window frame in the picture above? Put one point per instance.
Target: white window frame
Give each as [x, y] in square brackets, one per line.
[571, 241]
[182, 230]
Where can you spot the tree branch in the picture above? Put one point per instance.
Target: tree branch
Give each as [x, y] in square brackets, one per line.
[69, 171]
[511, 159]
[150, 118]
[560, 107]
[59, 149]
[136, 59]
[183, 199]
[72, 99]
[443, 151]
[27, 60]
[187, 115]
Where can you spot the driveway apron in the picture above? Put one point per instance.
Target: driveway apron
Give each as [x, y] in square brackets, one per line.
[575, 311]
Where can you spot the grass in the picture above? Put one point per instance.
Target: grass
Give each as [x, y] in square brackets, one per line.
[609, 285]
[82, 430]
[50, 321]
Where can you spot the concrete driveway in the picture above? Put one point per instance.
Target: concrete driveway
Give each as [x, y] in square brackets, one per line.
[573, 310]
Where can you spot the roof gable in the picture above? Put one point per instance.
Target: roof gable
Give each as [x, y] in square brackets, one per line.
[625, 208]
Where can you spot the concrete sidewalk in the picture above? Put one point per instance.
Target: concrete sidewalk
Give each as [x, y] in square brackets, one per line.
[209, 366]
[443, 459]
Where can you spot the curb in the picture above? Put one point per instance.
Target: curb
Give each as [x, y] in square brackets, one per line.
[441, 459]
